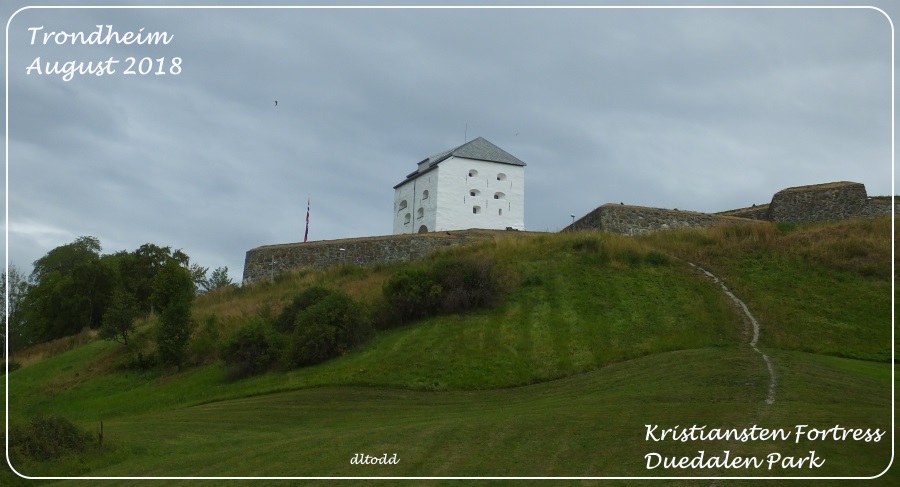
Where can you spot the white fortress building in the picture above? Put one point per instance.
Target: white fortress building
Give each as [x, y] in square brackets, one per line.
[475, 185]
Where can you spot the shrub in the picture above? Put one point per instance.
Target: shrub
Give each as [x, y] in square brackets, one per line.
[251, 350]
[329, 328]
[48, 438]
[450, 284]
[413, 294]
[313, 344]
[469, 283]
[309, 296]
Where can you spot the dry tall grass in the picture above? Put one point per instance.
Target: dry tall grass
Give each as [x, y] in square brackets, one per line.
[41, 351]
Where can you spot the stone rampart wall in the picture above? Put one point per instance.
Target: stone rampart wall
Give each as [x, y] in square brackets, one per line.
[757, 212]
[822, 202]
[639, 220]
[270, 260]
[881, 206]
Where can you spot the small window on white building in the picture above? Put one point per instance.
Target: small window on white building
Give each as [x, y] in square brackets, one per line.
[499, 196]
[500, 211]
[403, 205]
[474, 192]
[420, 213]
[473, 173]
[476, 210]
[501, 177]
[407, 218]
[425, 194]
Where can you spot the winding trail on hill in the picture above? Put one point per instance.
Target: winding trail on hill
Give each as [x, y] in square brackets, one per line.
[770, 398]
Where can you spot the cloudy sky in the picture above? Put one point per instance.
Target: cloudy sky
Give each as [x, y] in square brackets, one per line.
[699, 109]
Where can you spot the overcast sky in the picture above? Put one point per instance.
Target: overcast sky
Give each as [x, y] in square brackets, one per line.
[704, 110]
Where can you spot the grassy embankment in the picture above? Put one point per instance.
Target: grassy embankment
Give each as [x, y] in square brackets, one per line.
[633, 338]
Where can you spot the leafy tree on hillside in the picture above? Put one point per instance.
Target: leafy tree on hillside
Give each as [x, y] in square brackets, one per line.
[70, 292]
[173, 293]
[219, 279]
[140, 267]
[198, 276]
[18, 289]
[65, 258]
[118, 321]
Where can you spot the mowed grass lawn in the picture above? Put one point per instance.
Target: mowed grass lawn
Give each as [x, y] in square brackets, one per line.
[592, 424]
[601, 336]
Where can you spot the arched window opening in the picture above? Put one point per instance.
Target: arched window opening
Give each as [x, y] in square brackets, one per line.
[499, 196]
[474, 192]
[403, 205]
[407, 218]
[476, 210]
[423, 229]
[473, 173]
[425, 194]
[420, 212]
[501, 177]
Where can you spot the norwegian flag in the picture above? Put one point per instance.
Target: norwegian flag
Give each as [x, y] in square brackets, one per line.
[306, 233]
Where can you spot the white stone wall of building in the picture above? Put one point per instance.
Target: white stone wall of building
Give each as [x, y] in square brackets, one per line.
[455, 202]
[420, 196]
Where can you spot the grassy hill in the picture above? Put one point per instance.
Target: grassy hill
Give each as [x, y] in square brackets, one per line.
[600, 336]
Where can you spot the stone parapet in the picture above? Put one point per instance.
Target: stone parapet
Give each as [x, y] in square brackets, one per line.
[639, 220]
[270, 260]
[820, 202]
[756, 212]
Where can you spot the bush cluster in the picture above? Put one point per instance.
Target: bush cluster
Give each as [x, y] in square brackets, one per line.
[47, 438]
[317, 325]
[330, 327]
[450, 284]
[251, 350]
[322, 323]
[310, 296]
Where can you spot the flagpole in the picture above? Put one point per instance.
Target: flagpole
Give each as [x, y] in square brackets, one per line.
[306, 233]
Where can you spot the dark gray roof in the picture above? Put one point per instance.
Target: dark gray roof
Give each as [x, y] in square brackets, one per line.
[479, 149]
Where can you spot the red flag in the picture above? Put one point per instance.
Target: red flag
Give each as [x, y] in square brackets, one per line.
[306, 234]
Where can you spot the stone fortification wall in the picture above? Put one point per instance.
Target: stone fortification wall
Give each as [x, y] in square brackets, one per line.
[820, 202]
[801, 204]
[882, 206]
[755, 212]
[639, 220]
[270, 260]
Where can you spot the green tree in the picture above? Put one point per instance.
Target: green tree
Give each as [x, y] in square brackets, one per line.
[70, 292]
[65, 258]
[139, 271]
[173, 293]
[12, 308]
[118, 321]
[198, 276]
[219, 279]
